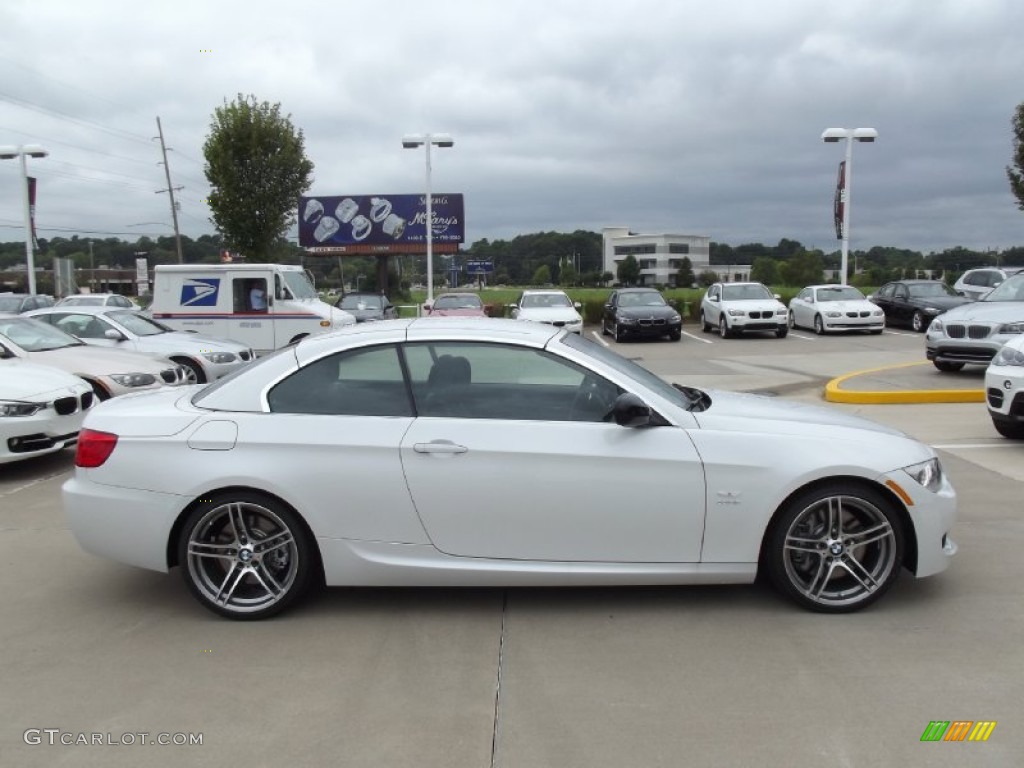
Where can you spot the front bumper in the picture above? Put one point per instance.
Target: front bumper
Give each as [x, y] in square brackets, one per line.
[932, 515]
[651, 328]
[1004, 393]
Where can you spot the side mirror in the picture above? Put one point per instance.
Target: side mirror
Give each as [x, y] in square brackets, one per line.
[113, 335]
[630, 411]
[777, 297]
[427, 306]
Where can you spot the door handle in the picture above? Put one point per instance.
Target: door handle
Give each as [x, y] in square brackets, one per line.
[444, 447]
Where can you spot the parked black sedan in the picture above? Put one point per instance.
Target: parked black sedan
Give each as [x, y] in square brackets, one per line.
[915, 303]
[367, 305]
[635, 312]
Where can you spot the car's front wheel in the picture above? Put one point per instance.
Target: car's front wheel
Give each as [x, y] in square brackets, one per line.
[819, 325]
[245, 556]
[919, 322]
[947, 367]
[836, 548]
[619, 334]
[781, 331]
[791, 320]
[705, 325]
[1009, 429]
[723, 328]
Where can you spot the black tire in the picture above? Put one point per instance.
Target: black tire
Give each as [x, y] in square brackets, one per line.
[919, 322]
[618, 334]
[836, 548]
[705, 324]
[781, 331]
[604, 328]
[675, 335]
[1009, 429]
[791, 320]
[245, 556]
[194, 373]
[723, 327]
[819, 325]
[947, 367]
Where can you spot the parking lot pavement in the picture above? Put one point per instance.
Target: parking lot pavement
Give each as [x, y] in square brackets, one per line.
[709, 676]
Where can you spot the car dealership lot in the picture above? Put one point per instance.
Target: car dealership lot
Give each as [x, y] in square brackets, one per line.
[533, 677]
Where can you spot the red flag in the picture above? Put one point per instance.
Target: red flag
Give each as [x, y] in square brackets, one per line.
[840, 201]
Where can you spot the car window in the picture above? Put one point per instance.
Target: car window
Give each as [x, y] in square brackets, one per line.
[33, 336]
[138, 324]
[1011, 289]
[885, 291]
[458, 302]
[83, 326]
[745, 293]
[930, 290]
[839, 293]
[363, 382]
[119, 301]
[494, 381]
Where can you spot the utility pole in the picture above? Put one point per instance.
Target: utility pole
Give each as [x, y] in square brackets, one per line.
[170, 191]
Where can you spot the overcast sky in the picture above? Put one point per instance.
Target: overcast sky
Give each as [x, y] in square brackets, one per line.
[684, 117]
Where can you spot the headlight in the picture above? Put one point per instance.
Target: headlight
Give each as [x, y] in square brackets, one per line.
[783, 311]
[674, 318]
[626, 320]
[927, 474]
[931, 310]
[1010, 328]
[219, 357]
[17, 408]
[833, 314]
[935, 327]
[735, 312]
[134, 379]
[1008, 356]
[877, 313]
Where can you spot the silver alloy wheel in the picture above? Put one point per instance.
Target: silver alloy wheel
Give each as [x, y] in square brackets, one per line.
[723, 327]
[193, 373]
[918, 323]
[792, 319]
[839, 551]
[819, 325]
[242, 558]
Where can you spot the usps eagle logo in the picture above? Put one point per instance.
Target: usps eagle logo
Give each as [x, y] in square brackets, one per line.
[200, 293]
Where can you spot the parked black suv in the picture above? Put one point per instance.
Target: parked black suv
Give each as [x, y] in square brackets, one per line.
[637, 312]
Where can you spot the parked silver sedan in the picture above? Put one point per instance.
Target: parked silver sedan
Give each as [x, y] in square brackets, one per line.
[204, 358]
[110, 371]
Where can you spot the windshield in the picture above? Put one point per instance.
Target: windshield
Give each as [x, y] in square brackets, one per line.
[35, 336]
[1012, 289]
[839, 293]
[138, 324]
[360, 302]
[10, 303]
[299, 285]
[930, 290]
[83, 301]
[641, 299]
[745, 293]
[536, 300]
[468, 301]
[628, 368]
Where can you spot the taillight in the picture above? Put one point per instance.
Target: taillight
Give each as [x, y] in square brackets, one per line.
[94, 448]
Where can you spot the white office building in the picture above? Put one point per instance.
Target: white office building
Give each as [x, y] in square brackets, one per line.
[660, 256]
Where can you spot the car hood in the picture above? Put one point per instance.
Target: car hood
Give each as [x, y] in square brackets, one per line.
[741, 412]
[939, 302]
[986, 311]
[550, 314]
[642, 312]
[99, 361]
[852, 305]
[180, 341]
[756, 305]
[23, 380]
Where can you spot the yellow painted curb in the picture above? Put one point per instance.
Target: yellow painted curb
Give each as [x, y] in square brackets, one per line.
[834, 393]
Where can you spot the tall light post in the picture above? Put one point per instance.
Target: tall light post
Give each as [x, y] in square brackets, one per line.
[832, 135]
[427, 140]
[9, 153]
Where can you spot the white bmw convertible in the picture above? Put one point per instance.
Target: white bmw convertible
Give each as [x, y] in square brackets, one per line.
[337, 460]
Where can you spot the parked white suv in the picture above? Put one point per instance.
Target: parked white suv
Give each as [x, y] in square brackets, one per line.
[733, 308]
[975, 283]
[1004, 389]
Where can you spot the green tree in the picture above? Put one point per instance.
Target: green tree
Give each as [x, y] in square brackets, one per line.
[803, 269]
[628, 270]
[257, 167]
[1015, 172]
[764, 270]
[542, 275]
[707, 277]
[685, 277]
[567, 275]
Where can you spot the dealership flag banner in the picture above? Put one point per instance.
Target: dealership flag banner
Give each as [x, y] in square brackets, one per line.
[840, 201]
[32, 209]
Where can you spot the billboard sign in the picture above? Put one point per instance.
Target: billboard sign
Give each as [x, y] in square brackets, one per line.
[479, 267]
[383, 223]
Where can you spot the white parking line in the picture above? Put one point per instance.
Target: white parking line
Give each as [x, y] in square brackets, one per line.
[903, 333]
[697, 338]
[795, 335]
[600, 339]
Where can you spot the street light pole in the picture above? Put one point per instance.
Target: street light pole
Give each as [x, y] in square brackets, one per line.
[9, 153]
[832, 135]
[426, 140]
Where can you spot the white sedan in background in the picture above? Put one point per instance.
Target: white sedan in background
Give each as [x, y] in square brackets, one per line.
[575, 466]
[551, 307]
[203, 358]
[1004, 389]
[110, 372]
[826, 308]
[734, 308]
[41, 409]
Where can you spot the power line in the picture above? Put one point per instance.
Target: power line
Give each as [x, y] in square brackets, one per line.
[39, 137]
[26, 104]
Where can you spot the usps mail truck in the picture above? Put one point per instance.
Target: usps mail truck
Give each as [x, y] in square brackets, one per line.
[264, 306]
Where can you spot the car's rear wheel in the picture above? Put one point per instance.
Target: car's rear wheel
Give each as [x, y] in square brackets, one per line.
[1010, 430]
[919, 322]
[836, 548]
[245, 556]
[819, 325]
